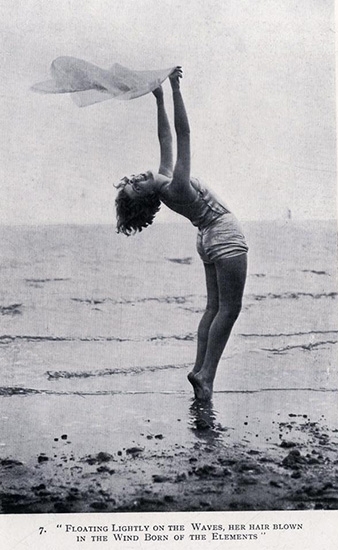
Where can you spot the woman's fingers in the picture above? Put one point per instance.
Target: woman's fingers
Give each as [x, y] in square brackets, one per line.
[177, 73]
[175, 77]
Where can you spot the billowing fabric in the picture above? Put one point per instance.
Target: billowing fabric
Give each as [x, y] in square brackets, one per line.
[87, 83]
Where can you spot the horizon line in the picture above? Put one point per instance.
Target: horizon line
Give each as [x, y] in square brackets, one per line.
[164, 222]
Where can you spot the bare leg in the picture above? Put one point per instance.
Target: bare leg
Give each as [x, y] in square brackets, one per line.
[208, 316]
[231, 275]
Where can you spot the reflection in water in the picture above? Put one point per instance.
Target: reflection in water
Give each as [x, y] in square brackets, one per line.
[203, 421]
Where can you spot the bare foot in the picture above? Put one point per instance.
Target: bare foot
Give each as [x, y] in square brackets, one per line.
[202, 388]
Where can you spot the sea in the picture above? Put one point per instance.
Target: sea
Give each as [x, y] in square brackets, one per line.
[87, 312]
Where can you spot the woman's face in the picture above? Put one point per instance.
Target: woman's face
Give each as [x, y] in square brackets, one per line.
[140, 185]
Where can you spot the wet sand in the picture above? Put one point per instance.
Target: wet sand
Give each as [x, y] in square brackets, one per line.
[256, 450]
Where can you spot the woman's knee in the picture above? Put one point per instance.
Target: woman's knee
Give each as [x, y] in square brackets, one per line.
[211, 309]
[230, 310]
[209, 314]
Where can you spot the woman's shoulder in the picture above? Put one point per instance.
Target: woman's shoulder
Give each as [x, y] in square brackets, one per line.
[180, 195]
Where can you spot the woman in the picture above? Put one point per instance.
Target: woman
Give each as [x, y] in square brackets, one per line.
[220, 241]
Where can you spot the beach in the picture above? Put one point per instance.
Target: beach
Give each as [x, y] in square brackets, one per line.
[98, 333]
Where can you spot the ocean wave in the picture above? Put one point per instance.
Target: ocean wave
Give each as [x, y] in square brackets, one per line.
[48, 280]
[190, 337]
[11, 391]
[55, 375]
[8, 339]
[315, 272]
[159, 299]
[281, 334]
[305, 347]
[292, 296]
[12, 309]
[185, 261]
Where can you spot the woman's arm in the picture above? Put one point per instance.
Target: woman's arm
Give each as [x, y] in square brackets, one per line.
[164, 135]
[180, 184]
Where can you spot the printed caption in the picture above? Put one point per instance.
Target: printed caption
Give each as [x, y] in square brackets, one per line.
[192, 531]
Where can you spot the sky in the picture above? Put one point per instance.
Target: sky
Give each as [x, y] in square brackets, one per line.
[259, 88]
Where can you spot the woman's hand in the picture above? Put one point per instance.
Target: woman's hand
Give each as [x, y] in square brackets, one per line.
[158, 92]
[175, 78]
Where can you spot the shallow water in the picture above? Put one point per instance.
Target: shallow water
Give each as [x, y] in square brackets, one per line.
[98, 332]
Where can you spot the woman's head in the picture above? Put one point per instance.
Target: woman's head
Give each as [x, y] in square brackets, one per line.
[137, 203]
[139, 186]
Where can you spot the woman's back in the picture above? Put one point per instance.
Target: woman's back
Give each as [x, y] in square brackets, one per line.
[202, 210]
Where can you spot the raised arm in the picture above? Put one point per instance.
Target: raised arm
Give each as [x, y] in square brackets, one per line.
[164, 135]
[180, 184]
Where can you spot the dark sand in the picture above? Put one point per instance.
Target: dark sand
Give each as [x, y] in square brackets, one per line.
[182, 464]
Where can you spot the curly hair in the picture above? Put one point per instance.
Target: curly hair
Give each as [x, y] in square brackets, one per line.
[133, 215]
